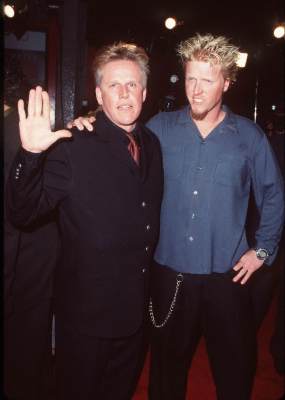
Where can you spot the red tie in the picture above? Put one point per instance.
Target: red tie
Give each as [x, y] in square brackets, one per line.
[133, 148]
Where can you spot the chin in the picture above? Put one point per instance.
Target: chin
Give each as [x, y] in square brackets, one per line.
[198, 115]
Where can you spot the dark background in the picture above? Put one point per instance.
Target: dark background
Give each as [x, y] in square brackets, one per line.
[83, 26]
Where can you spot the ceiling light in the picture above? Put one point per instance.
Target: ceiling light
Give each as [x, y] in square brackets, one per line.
[242, 59]
[9, 11]
[279, 31]
[170, 23]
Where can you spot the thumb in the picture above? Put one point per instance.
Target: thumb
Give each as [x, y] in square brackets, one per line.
[63, 133]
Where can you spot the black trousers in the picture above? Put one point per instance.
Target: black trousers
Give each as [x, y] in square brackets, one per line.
[91, 368]
[27, 353]
[209, 305]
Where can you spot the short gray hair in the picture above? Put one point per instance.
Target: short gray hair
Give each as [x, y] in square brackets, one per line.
[121, 51]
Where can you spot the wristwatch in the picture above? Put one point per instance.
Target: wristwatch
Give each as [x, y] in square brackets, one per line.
[261, 254]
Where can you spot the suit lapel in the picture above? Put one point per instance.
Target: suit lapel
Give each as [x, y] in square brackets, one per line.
[146, 153]
[117, 142]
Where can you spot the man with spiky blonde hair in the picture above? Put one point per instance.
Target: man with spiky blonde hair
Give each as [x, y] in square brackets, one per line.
[203, 264]
[201, 276]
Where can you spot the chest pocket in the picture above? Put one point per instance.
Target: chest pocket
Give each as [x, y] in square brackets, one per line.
[173, 161]
[232, 171]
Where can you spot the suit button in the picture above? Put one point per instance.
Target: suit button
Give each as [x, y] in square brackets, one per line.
[143, 270]
[143, 204]
[148, 227]
[146, 248]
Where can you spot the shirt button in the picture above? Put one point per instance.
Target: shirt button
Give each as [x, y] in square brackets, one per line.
[143, 204]
[195, 192]
[148, 227]
[191, 238]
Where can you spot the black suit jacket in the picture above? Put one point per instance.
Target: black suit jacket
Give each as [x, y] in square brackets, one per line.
[30, 254]
[109, 218]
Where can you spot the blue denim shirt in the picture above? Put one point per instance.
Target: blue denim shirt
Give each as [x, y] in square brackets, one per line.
[206, 191]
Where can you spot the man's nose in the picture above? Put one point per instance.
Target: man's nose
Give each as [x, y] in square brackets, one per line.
[124, 92]
[197, 88]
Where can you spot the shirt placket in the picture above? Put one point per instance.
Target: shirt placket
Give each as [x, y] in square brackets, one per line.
[193, 235]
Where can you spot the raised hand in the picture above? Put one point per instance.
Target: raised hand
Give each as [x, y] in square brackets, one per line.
[35, 130]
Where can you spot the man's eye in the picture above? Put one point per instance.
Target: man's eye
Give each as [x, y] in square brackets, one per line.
[132, 84]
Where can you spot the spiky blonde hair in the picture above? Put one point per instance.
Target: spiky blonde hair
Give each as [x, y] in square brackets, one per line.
[212, 49]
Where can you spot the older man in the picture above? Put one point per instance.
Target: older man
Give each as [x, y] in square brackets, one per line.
[107, 189]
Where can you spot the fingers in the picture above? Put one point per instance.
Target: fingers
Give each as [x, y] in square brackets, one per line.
[46, 104]
[91, 118]
[78, 123]
[35, 103]
[87, 122]
[21, 110]
[31, 103]
[239, 265]
[84, 122]
[246, 277]
[242, 276]
[38, 101]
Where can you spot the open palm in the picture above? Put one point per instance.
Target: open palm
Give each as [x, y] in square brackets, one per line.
[35, 129]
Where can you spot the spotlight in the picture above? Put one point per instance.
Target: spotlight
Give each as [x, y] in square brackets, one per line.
[279, 31]
[170, 23]
[242, 59]
[14, 8]
[9, 11]
[173, 78]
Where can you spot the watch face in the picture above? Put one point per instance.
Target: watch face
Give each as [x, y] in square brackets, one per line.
[262, 254]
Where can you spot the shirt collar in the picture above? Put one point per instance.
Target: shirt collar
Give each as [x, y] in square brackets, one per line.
[228, 123]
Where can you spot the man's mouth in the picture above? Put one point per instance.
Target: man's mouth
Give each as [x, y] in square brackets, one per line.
[124, 107]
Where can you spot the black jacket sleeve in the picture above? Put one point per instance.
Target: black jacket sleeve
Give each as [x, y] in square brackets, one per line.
[37, 184]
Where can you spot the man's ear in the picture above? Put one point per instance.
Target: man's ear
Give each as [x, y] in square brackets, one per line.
[226, 85]
[144, 94]
[98, 95]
